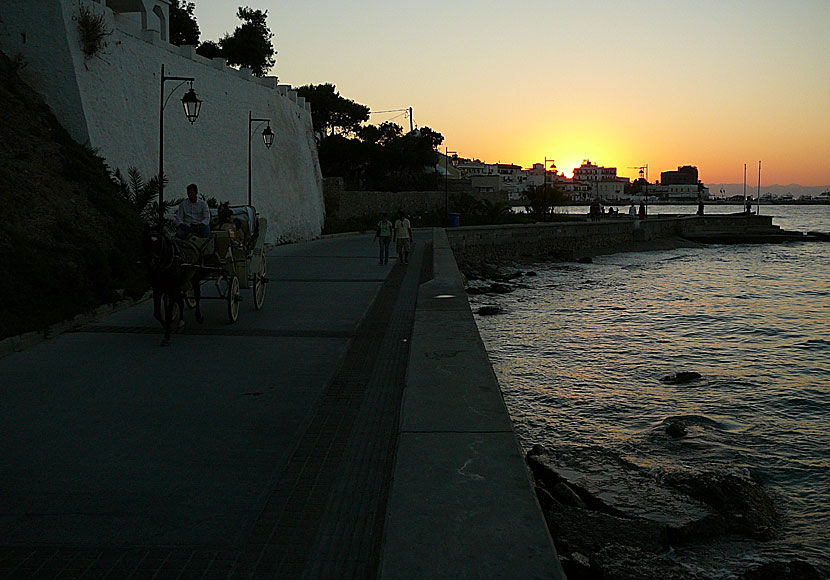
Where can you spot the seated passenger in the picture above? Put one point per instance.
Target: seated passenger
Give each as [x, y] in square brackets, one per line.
[224, 220]
[193, 215]
[238, 234]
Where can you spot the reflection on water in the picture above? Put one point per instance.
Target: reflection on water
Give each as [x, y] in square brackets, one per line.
[580, 354]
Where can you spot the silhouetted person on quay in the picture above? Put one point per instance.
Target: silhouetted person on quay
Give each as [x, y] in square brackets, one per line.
[402, 233]
[700, 208]
[642, 211]
[384, 236]
[748, 208]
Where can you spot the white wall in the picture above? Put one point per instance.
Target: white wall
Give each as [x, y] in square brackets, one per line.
[113, 100]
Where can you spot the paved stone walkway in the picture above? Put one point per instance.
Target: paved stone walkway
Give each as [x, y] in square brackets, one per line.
[322, 514]
[351, 429]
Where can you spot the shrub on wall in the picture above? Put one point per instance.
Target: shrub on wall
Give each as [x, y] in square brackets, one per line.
[93, 32]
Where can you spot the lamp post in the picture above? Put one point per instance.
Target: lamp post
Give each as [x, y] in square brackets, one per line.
[446, 185]
[267, 137]
[192, 105]
[545, 186]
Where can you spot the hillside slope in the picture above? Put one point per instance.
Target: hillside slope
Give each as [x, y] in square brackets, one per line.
[69, 241]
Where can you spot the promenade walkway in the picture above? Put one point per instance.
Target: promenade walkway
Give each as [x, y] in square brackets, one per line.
[353, 428]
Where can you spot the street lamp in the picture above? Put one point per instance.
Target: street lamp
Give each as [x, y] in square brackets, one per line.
[192, 105]
[446, 186]
[545, 186]
[268, 139]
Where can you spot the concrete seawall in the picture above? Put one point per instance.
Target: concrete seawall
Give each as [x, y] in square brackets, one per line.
[576, 239]
[461, 504]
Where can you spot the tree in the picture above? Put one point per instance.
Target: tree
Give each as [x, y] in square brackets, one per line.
[250, 44]
[332, 113]
[210, 49]
[183, 26]
[542, 199]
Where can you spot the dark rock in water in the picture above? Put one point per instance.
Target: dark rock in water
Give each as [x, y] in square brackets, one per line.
[681, 378]
[606, 483]
[586, 260]
[627, 563]
[471, 290]
[742, 502]
[498, 288]
[546, 500]
[489, 310]
[577, 566]
[565, 495]
[795, 570]
[506, 274]
[537, 450]
[531, 273]
[577, 530]
[677, 429]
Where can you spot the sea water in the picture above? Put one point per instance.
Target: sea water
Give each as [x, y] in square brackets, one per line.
[581, 349]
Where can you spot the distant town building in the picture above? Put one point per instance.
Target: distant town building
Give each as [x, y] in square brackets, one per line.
[485, 183]
[591, 172]
[602, 181]
[685, 175]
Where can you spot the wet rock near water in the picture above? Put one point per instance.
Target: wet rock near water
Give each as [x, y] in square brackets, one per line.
[627, 563]
[493, 272]
[677, 429]
[610, 518]
[794, 570]
[584, 531]
[494, 288]
[681, 378]
[608, 484]
[489, 310]
[742, 502]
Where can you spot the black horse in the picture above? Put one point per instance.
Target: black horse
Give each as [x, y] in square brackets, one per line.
[173, 266]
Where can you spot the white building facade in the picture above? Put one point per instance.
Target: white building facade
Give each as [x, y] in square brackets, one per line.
[111, 101]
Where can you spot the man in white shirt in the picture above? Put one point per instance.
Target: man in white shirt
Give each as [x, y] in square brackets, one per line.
[403, 234]
[193, 215]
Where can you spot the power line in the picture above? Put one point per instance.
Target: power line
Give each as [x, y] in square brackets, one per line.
[407, 111]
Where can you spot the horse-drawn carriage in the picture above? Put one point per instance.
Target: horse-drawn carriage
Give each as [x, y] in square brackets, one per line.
[232, 261]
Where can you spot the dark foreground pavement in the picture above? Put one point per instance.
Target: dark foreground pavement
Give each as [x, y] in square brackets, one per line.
[353, 428]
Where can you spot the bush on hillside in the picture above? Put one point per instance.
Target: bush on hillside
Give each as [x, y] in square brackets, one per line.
[70, 241]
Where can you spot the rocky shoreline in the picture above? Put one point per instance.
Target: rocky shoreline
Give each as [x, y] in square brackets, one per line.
[622, 522]
[610, 518]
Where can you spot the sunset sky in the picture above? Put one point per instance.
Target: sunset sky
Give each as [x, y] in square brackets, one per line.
[711, 83]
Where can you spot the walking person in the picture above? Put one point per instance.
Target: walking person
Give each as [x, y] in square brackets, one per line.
[403, 235]
[383, 235]
[642, 211]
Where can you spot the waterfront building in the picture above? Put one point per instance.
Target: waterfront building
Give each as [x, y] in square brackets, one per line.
[591, 172]
[602, 181]
[685, 175]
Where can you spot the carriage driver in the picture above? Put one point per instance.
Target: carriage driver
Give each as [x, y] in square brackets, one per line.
[193, 215]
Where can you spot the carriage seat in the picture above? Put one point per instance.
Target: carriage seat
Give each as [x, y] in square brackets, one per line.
[214, 250]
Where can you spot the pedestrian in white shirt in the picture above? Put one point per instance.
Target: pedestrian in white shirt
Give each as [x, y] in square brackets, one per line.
[403, 234]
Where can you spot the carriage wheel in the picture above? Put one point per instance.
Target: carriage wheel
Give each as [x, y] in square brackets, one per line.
[233, 298]
[172, 306]
[259, 286]
[190, 298]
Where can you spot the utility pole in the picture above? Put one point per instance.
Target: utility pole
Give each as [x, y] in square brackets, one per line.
[758, 212]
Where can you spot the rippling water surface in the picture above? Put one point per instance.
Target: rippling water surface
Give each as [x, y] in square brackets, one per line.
[580, 352]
